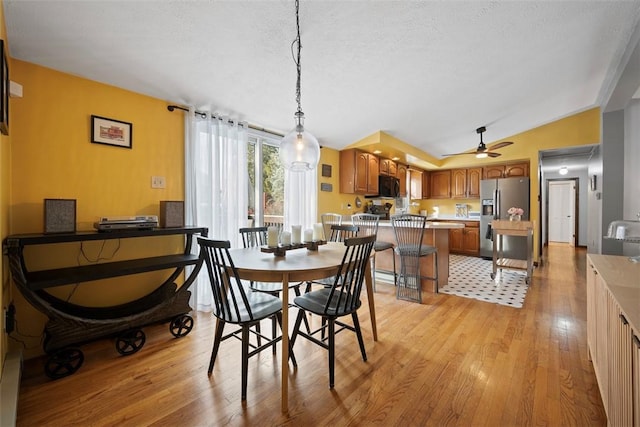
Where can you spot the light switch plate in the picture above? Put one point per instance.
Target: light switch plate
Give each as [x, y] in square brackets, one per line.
[158, 182]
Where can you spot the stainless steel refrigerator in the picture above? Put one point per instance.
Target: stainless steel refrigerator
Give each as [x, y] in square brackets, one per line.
[496, 197]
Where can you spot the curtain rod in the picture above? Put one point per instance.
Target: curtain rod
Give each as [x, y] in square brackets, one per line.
[204, 116]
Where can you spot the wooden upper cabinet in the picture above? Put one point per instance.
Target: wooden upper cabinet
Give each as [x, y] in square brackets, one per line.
[426, 184]
[459, 183]
[506, 170]
[516, 169]
[465, 183]
[440, 184]
[388, 167]
[372, 174]
[415, 184]
[358, 172]
[474, 176]
[402, 177]
[493, 171]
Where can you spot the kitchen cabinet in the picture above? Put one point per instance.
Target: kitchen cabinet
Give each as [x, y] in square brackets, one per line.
[459, 183]
[613, 335]
[506, 170]
[465, 183]
[388, 167]
[358, 172]
[474, 176]
[402, 177]
[465, 241]
[441, 184]
[415, 184]
[426, 182]
[516, 169]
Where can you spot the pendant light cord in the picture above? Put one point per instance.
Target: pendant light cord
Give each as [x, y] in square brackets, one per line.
[296, 59]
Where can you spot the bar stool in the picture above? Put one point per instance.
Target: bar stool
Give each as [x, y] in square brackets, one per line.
[329, 219]
[368, 224]
[409, 231]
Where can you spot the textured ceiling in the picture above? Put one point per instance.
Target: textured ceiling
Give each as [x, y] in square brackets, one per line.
[426, 72]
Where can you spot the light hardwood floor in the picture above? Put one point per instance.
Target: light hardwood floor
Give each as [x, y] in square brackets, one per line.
[451, 361]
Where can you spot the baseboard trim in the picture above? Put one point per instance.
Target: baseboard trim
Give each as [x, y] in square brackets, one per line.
[10, 388]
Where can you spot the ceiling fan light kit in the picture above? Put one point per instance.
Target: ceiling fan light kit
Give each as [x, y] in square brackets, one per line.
[482, 152]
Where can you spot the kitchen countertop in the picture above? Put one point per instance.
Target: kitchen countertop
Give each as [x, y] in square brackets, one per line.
[621, 276]
[430, 224]
[444, 217]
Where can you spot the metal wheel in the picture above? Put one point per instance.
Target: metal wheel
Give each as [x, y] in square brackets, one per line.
[63, 363]
[130, 342]
[493, 275]
[181, 325]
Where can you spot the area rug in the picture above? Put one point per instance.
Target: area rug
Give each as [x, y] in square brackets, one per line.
[469, 277]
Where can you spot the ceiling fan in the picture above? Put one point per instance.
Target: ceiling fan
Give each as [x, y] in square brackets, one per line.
[482, 151]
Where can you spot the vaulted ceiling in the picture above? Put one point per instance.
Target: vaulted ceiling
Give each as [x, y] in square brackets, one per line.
[426, 72]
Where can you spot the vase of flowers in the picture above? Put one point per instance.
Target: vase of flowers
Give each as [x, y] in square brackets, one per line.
[515, 214]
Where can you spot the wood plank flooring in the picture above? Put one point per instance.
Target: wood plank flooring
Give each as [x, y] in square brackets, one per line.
[451, 361]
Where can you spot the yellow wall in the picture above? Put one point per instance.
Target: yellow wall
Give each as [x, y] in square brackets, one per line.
[5, 169]
[52, 157]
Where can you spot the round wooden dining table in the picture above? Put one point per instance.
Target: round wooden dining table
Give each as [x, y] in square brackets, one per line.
[299, 265]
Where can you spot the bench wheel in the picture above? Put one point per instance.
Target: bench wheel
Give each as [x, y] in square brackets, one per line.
[130, 342]
[181, 325]
[63, 363]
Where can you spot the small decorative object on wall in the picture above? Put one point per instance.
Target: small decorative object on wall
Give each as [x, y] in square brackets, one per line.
[326, 170]
[593, 183]
[111, 132]
[326, 187]
[59, 215]
[4, 90]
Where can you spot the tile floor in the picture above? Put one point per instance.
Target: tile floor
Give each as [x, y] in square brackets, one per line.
[469, 277]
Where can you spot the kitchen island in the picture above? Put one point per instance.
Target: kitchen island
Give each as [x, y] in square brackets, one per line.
[435, 234]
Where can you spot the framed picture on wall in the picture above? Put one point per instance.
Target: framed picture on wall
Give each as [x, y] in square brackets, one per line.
[4, 90]
[111, 132]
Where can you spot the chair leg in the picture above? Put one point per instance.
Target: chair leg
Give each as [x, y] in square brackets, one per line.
[435, 269]
[305, 320]
[395, 275]
[216, 343]
[258, 334]
[356, 325]
[332, 345]
[294, 335]
[245, 359]
[274, 334]
[373, 271]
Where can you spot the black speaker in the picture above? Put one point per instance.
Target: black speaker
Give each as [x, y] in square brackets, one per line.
[171, 214]
[59, 215]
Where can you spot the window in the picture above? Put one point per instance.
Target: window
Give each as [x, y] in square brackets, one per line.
[266, 194]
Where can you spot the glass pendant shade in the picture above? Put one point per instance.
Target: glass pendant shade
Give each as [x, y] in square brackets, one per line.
[299, 150]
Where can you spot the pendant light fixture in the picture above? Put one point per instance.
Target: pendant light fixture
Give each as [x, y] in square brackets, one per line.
[299, 150]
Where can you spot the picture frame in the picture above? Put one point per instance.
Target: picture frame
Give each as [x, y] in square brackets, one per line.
[326, 171]
[4, 90]
[111, 132]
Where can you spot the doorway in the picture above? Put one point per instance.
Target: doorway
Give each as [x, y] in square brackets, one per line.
[562, 217]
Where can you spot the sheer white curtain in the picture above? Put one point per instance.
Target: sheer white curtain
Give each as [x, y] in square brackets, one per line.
[216, 185]
[300, 199]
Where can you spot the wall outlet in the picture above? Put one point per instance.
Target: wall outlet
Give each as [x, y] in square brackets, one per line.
[158, 182]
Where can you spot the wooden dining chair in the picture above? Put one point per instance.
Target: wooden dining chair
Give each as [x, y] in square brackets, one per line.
[255, 237]
[329, 219]
[341, 299]
[232, 304]
[368, 224]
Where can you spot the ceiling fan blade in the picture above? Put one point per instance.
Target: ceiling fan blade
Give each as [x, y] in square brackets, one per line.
[492, 154]
[457, 154]
[500, 145]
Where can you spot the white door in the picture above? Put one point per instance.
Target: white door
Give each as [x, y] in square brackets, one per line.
[562, 197]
